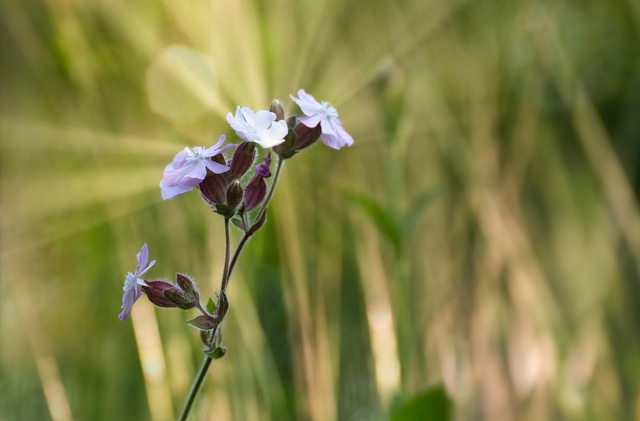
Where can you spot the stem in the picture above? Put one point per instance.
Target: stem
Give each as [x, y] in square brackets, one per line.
[236, 254]
[246, 236]
[195, 387]
[227, 241]
[273, 187]
[226, 274]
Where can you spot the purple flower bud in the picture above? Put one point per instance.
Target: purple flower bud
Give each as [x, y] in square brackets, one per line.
[155, 291]
[255, 193]
[304, 136]
[213, 189]
[242, 159]
[234, 195]
[278, 109]
[263, 169]
[285, 150]
[188, 286]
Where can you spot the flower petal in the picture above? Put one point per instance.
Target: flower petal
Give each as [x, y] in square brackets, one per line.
[130, 296]
[215, 167]
[311, 121]
[263, 119]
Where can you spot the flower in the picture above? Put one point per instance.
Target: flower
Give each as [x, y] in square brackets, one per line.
[261, 127]
[133, 282]
[189, 168]
[333, 134]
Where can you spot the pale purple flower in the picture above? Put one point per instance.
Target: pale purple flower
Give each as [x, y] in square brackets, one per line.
[189, 168]
[260, 127]
[333, 134]
[133, 282]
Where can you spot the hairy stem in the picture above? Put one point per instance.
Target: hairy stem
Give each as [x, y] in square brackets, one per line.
[195, 387]
[246, 236]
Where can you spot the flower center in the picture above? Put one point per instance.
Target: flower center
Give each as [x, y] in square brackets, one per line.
[129, 280]
[328, 110]
[195, 154]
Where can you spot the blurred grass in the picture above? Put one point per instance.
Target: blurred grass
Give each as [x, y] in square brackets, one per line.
[518, 286]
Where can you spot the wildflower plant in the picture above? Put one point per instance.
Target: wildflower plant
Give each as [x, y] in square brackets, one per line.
[218, 172]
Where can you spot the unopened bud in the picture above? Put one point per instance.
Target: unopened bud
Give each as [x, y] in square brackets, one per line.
[285, 149]
[278, 109]
[155, 291]
[304, 136]
[242, 159]
[187, 285]
[255, 193]
[213, 189]
[234, 195]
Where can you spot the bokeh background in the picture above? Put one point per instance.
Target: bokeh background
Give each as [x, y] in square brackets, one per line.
[482, 234]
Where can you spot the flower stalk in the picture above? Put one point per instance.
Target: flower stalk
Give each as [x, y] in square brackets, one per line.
[223, 186]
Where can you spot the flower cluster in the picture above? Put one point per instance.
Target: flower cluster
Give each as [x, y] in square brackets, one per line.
[235, 187]
[233, 182]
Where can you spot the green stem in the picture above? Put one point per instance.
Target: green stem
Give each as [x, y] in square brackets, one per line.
[246, 236]
[195, 387]
[226, 274]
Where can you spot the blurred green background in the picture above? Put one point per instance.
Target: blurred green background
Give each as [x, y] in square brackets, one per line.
[483, 233]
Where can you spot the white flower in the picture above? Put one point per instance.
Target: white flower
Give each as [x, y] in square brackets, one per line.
[259, 127]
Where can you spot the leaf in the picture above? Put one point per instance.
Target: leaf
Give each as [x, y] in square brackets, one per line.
[384, 222]
[202, 322]
[211, 306]
[237, 221]
[181, 84]
[432, 405]
[217, 353]
[417, 208]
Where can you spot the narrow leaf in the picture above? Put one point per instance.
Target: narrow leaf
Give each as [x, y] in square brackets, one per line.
[211, 306]
[417, 209]
[383, 220]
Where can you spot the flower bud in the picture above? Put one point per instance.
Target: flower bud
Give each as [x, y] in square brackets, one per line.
[155, 291]
[304, 136]
[187, 285]
[263, 169]
[242, 159]
[285, 149]
[213, 189]
[234, 195]
[278, 109]
[255, 193]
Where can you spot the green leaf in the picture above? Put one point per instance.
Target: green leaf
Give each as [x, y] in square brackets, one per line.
[217, 353]
[383, 220]
[237, 221]
[432, 405]
[211, 306]
[417, 208]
